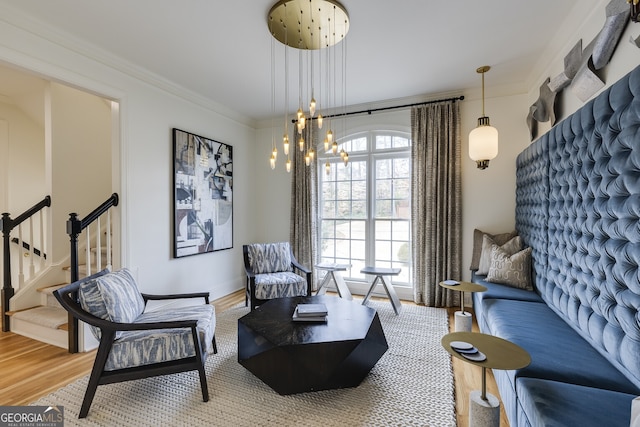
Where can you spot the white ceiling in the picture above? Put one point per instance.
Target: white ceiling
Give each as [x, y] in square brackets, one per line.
[396, 49]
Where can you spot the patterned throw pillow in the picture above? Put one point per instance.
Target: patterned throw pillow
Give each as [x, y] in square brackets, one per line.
[511, 247]
[500, 239]
[113, 296]
[513, 270]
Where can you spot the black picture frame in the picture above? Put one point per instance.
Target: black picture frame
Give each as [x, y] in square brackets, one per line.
[203, 194]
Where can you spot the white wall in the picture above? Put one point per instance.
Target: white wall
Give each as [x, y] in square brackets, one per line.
[149, 108]
[81, 158]
[25, 146]
[488, 196]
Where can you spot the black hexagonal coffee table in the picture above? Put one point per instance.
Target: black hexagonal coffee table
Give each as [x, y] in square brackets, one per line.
[296, 357]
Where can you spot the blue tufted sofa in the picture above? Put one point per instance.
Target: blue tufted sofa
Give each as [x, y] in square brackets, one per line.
[578, 208]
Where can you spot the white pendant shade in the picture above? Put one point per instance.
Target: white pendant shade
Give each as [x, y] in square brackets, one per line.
[483, 140]
[483, 143]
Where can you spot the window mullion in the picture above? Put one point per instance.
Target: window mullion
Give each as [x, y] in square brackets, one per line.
[371, 203]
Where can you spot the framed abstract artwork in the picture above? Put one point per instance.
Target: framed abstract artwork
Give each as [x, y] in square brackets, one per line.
[203, 194]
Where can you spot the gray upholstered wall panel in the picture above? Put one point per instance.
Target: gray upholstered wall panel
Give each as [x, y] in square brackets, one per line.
[592, 275]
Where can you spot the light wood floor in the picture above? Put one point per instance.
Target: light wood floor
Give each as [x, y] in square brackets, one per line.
[30, 369]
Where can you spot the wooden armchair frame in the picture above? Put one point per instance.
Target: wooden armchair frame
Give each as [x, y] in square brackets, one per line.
[67, 296]
[250, 289]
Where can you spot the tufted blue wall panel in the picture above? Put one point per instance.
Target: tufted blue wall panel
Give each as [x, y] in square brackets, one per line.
[532, 205]
[591, 238]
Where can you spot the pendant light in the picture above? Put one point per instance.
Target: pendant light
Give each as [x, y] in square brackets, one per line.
[483, 140]
[312, 27]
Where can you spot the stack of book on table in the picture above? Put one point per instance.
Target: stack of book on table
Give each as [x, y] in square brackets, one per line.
[310, 313]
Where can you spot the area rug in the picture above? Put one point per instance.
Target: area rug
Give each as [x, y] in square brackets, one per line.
[411, 385]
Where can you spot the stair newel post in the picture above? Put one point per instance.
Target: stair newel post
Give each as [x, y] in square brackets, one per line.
[7, 288]
[74, 228]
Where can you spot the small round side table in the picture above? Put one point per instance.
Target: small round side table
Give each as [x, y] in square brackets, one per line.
[484, 408]
[463, 319]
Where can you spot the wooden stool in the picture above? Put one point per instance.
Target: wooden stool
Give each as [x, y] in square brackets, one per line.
[391, 293]
[333, 272]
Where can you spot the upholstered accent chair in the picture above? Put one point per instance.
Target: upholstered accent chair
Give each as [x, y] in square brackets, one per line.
[136, 344]
[271, 273]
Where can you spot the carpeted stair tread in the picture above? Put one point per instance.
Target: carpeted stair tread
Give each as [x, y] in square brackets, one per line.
[50, 317]
[49, 289]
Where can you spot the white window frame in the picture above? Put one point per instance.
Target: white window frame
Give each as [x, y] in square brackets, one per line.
[358, 283]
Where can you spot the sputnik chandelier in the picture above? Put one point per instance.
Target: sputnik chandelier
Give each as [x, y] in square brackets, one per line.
[311, 27]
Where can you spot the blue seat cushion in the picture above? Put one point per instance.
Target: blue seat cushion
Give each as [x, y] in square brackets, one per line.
[556, 404]
[498, 291]
[557, 351]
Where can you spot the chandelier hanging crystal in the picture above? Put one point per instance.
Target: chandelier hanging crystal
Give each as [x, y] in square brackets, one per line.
[312, 27]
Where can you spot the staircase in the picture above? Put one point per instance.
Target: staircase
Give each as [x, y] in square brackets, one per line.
[47, 322]
[30, 309]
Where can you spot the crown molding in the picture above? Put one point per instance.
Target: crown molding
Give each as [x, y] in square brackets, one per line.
[80, 47]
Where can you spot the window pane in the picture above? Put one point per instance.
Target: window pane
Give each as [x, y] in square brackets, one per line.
[401, 168]
[357, 247]
[329, 209]
[383, 141]
[402, 209]
[344, 190]
[343, 209]
[400, 251]
[383, 189]
[401, 188]
[327, 248]
[383, 209]
[399, 142]
[328, 229]
[383, 168]
[343, 172]
[343, 229]
[383, 230]
[358, 144]
[359, 190]
[358, 231]
[383, 250]
[359, 210]
[400, 230]
[358, 170]
[342, 248]
[349, 232]
[328, 191]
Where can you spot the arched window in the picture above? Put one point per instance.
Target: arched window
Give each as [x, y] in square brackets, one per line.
[365, 207]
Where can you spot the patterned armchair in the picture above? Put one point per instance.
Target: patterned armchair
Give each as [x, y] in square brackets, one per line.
[270, 273]
[135, 344]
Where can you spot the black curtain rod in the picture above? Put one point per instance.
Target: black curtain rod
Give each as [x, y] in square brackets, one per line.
[373, 110]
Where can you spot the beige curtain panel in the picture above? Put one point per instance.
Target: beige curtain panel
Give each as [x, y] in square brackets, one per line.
[304, 204]
[436, 216]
